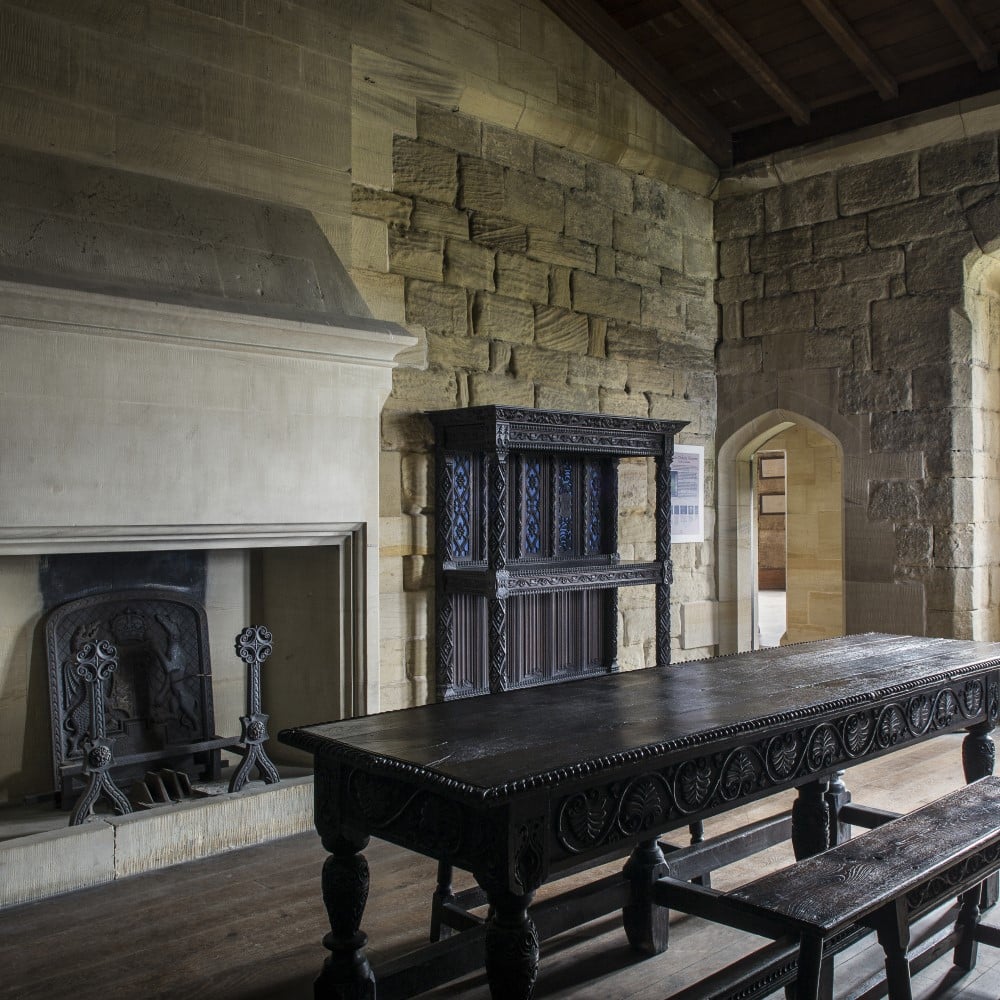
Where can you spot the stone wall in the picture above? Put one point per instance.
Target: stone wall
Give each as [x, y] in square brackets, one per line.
[538, 277]
[843, 300]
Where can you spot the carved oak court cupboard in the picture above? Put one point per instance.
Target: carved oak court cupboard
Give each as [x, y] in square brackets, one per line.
[527, 567]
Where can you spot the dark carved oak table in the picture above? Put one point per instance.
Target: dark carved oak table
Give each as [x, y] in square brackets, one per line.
[520, 786]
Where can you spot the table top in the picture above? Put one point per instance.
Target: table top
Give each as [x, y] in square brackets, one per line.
[499, 744]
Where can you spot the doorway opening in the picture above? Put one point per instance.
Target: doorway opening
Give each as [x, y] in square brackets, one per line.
[811, 493]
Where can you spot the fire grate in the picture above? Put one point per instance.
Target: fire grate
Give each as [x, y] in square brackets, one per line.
[130, 688]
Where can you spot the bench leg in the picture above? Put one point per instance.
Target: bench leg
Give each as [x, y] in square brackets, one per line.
[814, 979]
[967, 947]
[894, 935]
[978, 760]
[811, 820]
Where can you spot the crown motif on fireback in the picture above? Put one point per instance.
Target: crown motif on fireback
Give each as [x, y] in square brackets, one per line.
[128, 626]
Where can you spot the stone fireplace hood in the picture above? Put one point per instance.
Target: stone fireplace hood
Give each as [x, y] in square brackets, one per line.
[178, 363]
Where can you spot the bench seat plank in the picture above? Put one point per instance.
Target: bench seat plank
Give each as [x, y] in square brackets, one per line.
[847, 883]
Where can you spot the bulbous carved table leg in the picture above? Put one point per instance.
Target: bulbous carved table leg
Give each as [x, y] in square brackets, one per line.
[346, 973]
[811, 820]
[646, 924]
[511, 946]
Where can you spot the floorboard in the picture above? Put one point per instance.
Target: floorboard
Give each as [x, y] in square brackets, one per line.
[247, 925]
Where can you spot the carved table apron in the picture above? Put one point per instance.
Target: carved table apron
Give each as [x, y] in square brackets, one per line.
[520, 786]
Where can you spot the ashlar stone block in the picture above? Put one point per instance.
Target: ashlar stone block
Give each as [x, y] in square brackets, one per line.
[469, 265]
[840, 238]
[449, 128]
[938, 264]
[501, 390]
[416, 254]
[908, 333]
[849, 305]
[603, 372]
[457, 353]
[560, 165]
[424, 169]
[930, 217]
[869, 392]
[631, 343]
[739, 357]
[878, 184]
[561, 329]
[373, 203]
[480, 185]
[588, 218]
[509, 148]
[435, 217]
[606, 297]
[521, 278]
[532, 200]
[734, 257]
[499, 233]
[740, 216]
[779, 315]
[955, 165]
[801, 203]
[499, 317]
[609, 185]
[436, 307]
[776, 251]
[557, 249]
[876, 264]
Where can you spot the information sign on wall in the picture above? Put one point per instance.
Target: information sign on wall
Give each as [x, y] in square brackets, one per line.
[687, 493]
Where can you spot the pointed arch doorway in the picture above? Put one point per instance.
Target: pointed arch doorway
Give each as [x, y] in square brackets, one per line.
[814, 530]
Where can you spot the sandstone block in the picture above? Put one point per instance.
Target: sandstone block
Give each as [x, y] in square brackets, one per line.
[739, 289]
[500, 390]
[530, 199]
[560, 166]
[938, 264]
[779, 315]
[739, 357]
[500, 234]
[910, 431]
[606, 297]
[556, 249]
[416, 254]
[841, 238]
[699, 257]
[829, 349]
[640, 270]
[935, 383]
[984, 218]
[913, 544]
[512, 149]
[801, 203]
[609, 185]
[468, 264]
[500, 355]
[560, 293]
[734, 258]
[435, 217]
[585, 370]
[954, 545]
[631, 235]
[384, 205]
[606, 261]
[424, 169]
[822, 274]
[775, 251]
[583, 398]
[384, 294]
[663, 309]
[920, 220]
[437, 308]
[742, 216]
[849, 305]
[954, 165]
[624, 404]
[539, 365]
[895, 500]
[481, 185]
[732, 321]
[416, 474]
[598, 337]
[497, 317]
[449, 128]
[561, 329]
[675, 281]
[649, 377]
[783, 352]
[673, 251]
[521, 278]
[868, 392]
[777, 283]
[909, 333]
[369, 244]
[877, 264]
[390, 484]
[878, 184]
[632, 342]
[452, 352]
[588, 218]
[673, 408]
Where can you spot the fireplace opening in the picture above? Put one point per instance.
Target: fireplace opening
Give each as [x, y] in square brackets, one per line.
[309, 591]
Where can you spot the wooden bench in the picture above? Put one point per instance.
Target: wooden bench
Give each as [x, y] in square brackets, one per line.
[882, 880]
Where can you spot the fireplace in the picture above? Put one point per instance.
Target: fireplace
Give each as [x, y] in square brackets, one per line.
[241, 426]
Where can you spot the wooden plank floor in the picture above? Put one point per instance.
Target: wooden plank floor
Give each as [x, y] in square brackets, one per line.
[247, 925]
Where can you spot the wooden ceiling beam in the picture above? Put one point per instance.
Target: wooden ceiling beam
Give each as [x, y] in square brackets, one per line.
[741, 50]
[972, 38]
[853, 46]
[599, 30]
